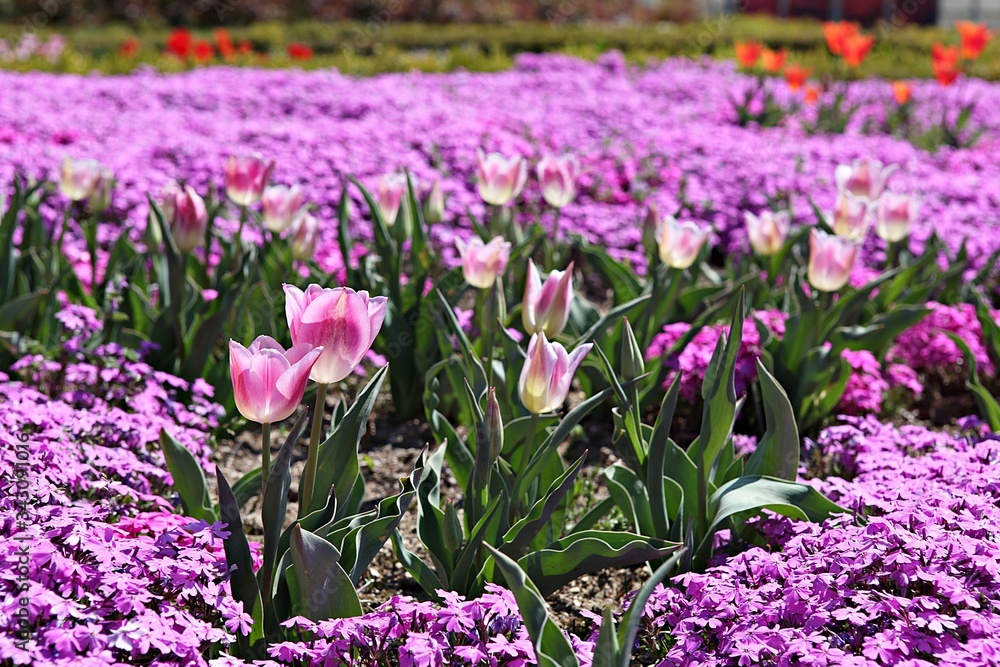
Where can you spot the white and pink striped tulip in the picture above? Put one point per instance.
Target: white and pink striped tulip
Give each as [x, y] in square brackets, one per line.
[680, 242]
[246, 178]
[768, 231]
[896, 216]
[863, 178]
[482, 262]
[500, 179]
[557, 178]
[280, 204]
[79, 178]
[547, 373]
[546, 305]
[831, 259]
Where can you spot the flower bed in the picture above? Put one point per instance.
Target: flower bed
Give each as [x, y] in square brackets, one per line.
[322, 126]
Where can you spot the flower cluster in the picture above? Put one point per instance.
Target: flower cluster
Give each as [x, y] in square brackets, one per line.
[912, 585]
[926, 348]
[681, 150]
[95, 565]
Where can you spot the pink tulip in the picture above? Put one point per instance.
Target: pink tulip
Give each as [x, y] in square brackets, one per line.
[389, 192]
[246, 178]
[305, 233]
[896, 217]
[850, 216]
[482, 263]
[79, 178]
[190, 219]
[557, 176]
[268, 381]
[831, 259]
[280, 204]
[680, 242]
[500, 179]
[768, 231]
[547, 373]
[864, 178]
[341, 321]
[546, 306]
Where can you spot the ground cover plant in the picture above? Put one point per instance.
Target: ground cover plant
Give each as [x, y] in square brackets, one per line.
[730, 335]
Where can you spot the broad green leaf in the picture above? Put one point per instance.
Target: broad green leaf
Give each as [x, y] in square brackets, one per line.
[552, 648]
[747, 494]
[241, 576]
[337, 465]
[581, 553]
[777, 453]
[325, 590]
[189, 478]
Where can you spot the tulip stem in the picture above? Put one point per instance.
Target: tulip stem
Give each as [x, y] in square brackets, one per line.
[554, 256]
[239, 235]
[305, 502]
[265, 456]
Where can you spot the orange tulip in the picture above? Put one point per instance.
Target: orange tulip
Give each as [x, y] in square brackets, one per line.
[901, 92]
[812, 95]
[747, 53]
[224, 43]
[856, 48]
[945, 63]
[773, 61]
[974, 36]
[835, 34]
[796, 76]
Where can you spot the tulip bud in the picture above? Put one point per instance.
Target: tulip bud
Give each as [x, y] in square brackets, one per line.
[79, 178]
[190, 220]
[850, 216]
[434, 204]
[280, 205]
[483, 263]
[454, 535]
[831, 259]
[246, 178]
[341, 321]
[896, 217]
[268, 381]
[680, 242]
[633, 363]
[547, 373]
[168, 201]
[557, 177]
[546, 306]
[100, 199]
[768, 231]
[500, 179]
[495, 308]
[650, 223]
[864, 178]
[304, 233]
[389, 192]
[494, 425]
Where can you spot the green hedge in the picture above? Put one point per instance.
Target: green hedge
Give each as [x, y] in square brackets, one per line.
[361, 48]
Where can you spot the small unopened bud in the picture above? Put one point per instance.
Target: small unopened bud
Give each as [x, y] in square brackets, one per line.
[494, 425]
[453, 533]
[649, 225]
[632, 363]
[496, 306]
[434, 204]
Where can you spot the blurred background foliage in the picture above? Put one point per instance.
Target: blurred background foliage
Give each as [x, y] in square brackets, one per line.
[368, 37]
